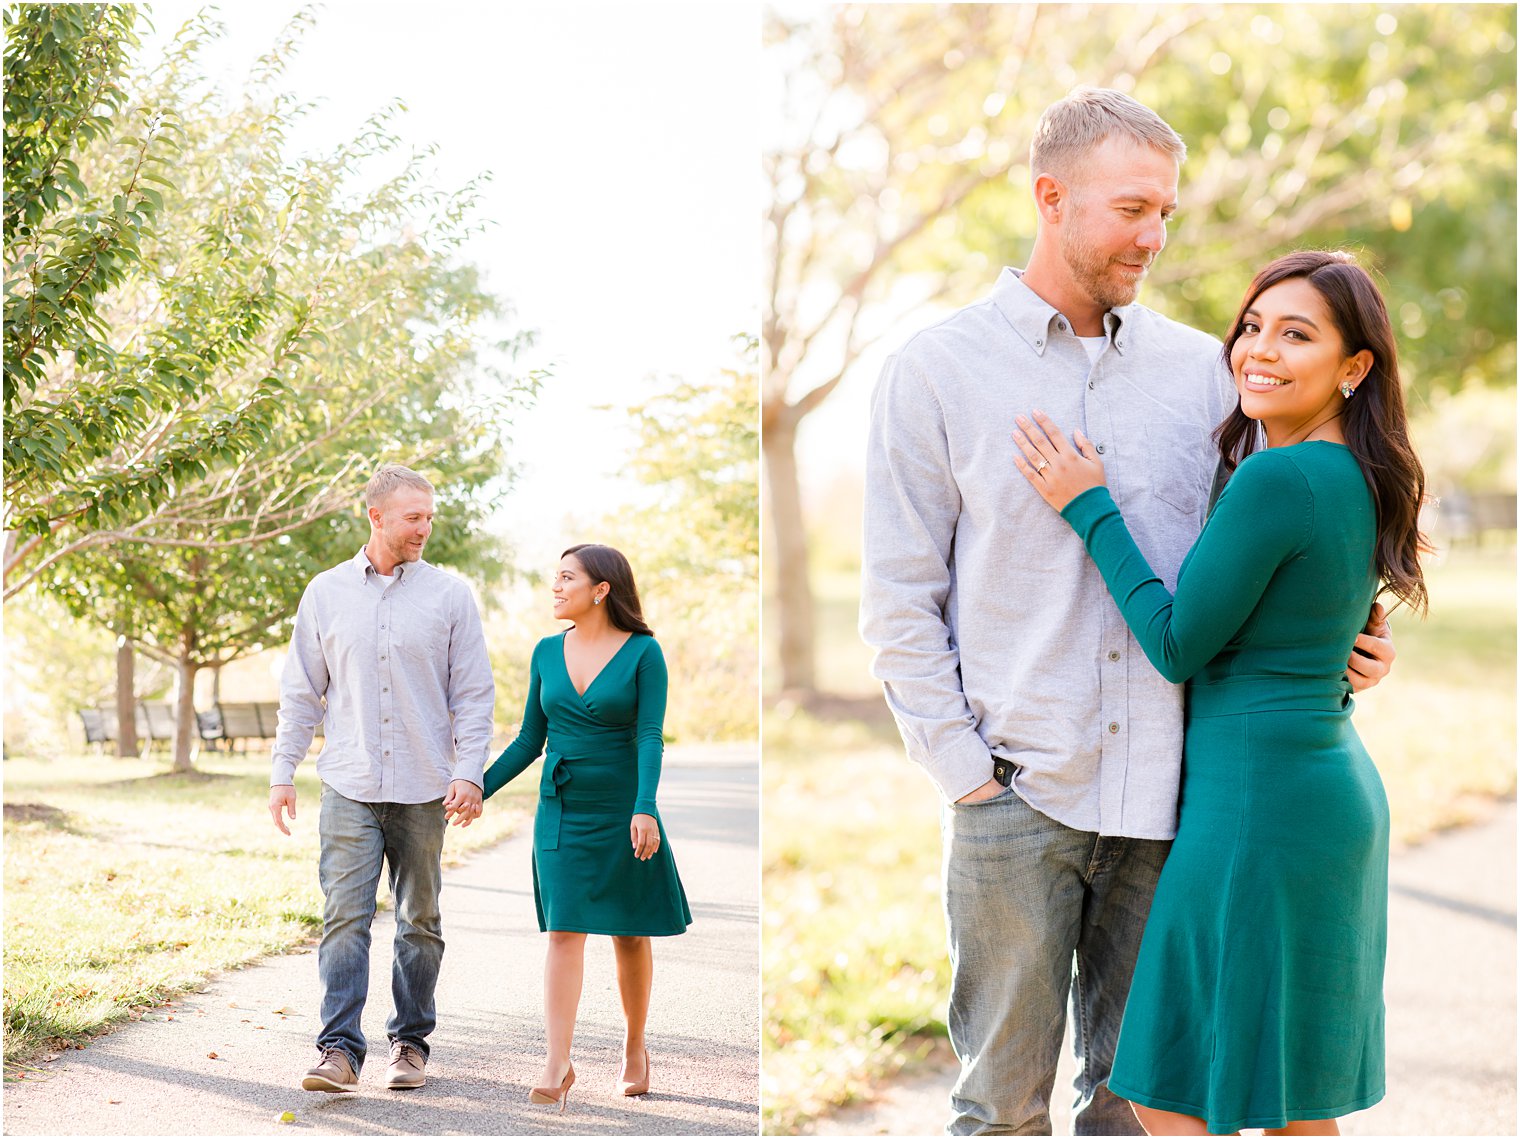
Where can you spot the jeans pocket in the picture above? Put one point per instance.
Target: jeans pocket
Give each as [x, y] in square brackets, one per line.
[998, 798]
[1181, 463]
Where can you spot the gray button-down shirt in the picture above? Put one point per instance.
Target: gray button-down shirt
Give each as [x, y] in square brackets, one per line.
[995, 634]
[403, 670]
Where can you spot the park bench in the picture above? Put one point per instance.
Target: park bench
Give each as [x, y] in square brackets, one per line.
[241, 721]
[1465, 517]
[100, 725]
[155, 723]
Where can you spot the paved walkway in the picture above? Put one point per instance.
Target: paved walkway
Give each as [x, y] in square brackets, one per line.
[157, 1077]
[1450, 992]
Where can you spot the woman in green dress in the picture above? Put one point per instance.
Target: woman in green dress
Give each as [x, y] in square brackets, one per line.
[601, 862]
[1257, 999]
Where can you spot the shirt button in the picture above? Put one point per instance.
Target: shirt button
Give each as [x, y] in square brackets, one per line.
[385, 690]
[1061, 324]
[1100, 449]
[1090, 386]
[1039, 343]
[387, 752]
[1113, 656]
[1113, 729]
[386, 720]
[382, 656]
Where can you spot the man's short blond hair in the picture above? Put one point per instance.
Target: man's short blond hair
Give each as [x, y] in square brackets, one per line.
[389, 479]
[1072, 128]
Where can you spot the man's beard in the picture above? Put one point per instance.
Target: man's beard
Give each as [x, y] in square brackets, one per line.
[402, 551]
[1092, 271]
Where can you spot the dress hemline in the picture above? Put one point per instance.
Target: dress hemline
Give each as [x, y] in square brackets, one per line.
[1278, 1120]
[613, 932]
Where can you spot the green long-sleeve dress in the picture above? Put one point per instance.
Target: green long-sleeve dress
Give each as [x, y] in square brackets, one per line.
[1258, 993]
[601, 767]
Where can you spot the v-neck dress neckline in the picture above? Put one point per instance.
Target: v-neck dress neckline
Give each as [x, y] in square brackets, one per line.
[565, 664]
[602, 751]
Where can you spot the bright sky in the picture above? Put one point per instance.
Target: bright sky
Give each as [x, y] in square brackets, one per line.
[622, 138]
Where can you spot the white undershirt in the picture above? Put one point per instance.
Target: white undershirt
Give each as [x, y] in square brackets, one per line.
[1094, 346]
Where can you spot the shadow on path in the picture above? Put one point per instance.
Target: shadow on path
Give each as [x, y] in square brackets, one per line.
[159, 1077]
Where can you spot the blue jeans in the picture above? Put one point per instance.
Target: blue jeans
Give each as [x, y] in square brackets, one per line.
[1025, 899]
[356, 838]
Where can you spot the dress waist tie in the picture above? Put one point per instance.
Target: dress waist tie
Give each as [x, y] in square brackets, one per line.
[556, 775]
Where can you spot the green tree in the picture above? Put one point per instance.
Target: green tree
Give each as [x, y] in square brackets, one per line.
[86, 168]
[194, 607]
[898, 179]
[390, 350]
[260, 342]
[697, 453]
[694, 541]
[54, 665]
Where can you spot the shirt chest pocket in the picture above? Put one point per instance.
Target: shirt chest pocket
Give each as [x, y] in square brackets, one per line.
[421, 636]
[1181, 464]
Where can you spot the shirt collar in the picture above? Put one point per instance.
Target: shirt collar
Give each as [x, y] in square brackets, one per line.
[365, 567]
[1034, 319]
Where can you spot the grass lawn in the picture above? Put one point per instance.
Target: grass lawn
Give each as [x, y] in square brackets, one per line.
[125, 885]
[855, 968]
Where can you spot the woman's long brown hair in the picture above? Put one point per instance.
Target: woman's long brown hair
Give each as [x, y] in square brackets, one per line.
[603, 563]
[1373, 419]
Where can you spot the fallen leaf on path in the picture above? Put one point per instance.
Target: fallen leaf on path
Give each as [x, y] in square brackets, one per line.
[285, 1117]
[285, 1011]
[113, 1101]
[211, 1055]
[50, 1057]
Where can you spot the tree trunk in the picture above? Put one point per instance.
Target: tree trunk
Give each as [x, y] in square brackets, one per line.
[126, 700]
[794, 591]
[186, 734]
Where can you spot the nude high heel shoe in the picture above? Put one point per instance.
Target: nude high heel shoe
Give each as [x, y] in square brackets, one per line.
[559, 1095]
[636, 1087]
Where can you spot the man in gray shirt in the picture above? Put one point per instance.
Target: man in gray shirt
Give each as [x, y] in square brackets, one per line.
[1015, 683]
[389, 651]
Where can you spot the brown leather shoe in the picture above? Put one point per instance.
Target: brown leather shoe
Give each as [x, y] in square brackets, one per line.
[405, 1068]
[334, 1073]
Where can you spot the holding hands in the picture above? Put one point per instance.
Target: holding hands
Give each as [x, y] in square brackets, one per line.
[464, 803]
[1058, 470]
